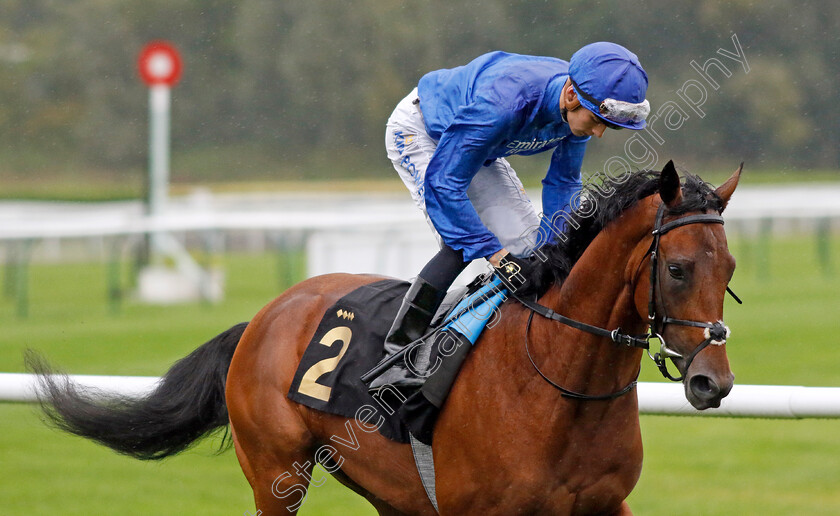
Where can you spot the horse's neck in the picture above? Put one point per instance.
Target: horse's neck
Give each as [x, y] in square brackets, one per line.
[597, 286]
[597, 292]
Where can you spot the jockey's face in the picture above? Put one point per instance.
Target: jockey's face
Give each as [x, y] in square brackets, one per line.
[582, 122]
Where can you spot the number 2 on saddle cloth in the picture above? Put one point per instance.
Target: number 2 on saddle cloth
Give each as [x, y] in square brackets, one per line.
[348, 342]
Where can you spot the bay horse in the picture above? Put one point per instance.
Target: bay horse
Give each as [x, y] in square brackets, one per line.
[507, 441]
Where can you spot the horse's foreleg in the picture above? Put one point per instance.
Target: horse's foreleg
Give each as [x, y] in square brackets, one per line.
[282, 488]
[280, 478]
[624, 510]
[387, 510]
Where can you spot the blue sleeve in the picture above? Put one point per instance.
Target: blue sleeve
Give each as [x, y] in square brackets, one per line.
[561, 184]
[462, 150]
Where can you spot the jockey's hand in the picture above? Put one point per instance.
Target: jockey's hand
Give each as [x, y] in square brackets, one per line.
[515, 273]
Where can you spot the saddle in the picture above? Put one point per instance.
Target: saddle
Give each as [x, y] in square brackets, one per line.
[349, 342]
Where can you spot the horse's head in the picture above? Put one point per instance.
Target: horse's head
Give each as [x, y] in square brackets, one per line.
[688, 268]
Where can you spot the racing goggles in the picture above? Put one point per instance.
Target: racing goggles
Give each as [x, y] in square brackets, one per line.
[615, 114]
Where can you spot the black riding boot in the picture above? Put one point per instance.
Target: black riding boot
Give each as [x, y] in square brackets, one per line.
[418, 308]
[413, 318]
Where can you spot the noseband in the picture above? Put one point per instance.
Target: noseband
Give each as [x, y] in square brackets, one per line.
[715, 333]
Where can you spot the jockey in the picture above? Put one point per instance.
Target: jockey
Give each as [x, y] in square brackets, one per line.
[448, 140]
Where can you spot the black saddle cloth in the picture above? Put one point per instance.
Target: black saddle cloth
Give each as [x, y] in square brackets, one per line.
[349, 342]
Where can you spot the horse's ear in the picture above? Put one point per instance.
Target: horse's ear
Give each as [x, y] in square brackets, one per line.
[669, 185]
[725, 190]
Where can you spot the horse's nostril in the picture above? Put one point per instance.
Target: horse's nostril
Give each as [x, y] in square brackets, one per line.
[704, 387]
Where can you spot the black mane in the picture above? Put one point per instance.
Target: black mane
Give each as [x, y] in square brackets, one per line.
[611, 199]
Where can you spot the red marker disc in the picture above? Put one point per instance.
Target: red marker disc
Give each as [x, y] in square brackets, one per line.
[159, 64]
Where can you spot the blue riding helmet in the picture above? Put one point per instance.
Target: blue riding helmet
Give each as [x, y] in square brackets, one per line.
[611, 83]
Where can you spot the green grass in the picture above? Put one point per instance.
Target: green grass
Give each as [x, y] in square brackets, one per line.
[785, 333]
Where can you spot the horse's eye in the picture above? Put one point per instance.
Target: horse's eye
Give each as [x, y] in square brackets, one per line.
[676, 271]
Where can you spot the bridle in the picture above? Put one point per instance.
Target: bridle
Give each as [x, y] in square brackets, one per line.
[715, 333]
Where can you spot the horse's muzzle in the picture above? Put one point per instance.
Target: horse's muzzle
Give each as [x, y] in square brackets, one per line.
[704, 391]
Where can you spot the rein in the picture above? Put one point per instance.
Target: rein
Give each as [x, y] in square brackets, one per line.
[715, 333]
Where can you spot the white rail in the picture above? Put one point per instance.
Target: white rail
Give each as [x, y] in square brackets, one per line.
[22, 387]
[758, 401]
[24, 221]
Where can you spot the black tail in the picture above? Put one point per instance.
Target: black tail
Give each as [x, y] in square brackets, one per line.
[188, 404]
